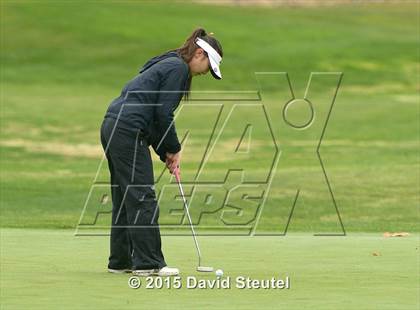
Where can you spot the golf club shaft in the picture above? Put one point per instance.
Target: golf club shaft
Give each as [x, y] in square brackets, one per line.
[189, 218]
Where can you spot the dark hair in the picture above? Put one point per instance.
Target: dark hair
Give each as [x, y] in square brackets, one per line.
[187, 50]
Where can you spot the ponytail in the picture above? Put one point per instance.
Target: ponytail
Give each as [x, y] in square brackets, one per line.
[187, 50]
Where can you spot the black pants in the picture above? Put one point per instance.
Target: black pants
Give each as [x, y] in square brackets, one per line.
[135, 235]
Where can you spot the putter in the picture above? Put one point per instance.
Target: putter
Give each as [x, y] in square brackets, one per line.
[199, 268]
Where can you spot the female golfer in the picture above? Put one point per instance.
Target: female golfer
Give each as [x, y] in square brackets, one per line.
[141, 116]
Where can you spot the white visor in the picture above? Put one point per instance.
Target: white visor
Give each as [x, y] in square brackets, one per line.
[214, 58]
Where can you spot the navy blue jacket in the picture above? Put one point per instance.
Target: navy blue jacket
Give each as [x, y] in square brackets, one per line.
[147, 102]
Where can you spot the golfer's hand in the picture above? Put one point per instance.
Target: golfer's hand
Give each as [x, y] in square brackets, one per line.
[172, 161]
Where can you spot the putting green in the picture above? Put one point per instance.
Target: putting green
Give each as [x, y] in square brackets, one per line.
[51, 269]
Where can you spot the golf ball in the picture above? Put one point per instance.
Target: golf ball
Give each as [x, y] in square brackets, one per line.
[219, 273]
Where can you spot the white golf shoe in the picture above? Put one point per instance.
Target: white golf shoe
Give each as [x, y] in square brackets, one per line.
[162, 272]
[144, 272]
[167, 272]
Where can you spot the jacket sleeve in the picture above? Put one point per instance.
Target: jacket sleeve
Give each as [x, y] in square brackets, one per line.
[170, 94]
[154, 141]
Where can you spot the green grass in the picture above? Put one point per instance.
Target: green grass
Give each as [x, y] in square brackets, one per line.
[70, 59]
[63, 62]
[51, 269]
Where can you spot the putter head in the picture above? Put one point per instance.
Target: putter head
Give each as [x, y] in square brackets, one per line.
[205, 269]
